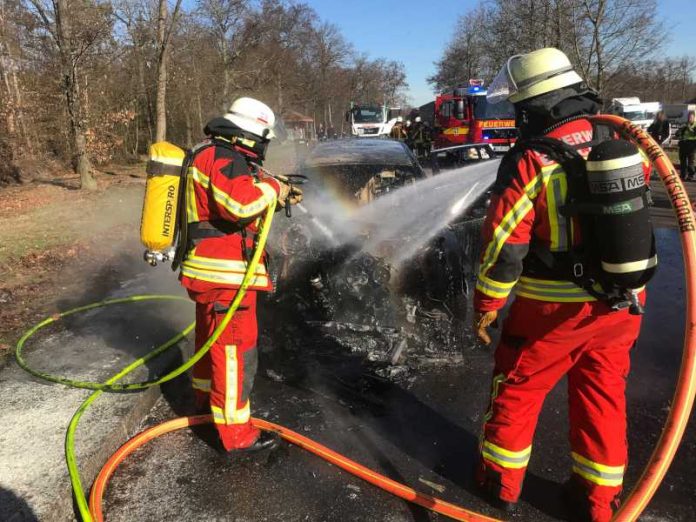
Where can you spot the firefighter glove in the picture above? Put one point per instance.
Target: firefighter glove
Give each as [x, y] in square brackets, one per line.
[295, 195]
[482, 321]
[285, 189]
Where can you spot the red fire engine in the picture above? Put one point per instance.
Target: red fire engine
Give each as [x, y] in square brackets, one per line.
[464, 116]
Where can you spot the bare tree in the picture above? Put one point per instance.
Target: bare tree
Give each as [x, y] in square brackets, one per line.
[226, 18]
[165, 26]
[74, 29]
[608, 34]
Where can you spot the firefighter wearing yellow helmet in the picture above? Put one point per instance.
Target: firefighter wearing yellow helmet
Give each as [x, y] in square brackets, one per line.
[562, 321]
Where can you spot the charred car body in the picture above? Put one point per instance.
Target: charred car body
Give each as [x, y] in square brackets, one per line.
[352, 261]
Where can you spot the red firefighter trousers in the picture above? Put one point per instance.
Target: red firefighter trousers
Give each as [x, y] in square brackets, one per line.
[540, 343]
[224, 377]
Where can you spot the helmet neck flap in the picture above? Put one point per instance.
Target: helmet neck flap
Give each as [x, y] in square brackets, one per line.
[535, 116]
[247, 143]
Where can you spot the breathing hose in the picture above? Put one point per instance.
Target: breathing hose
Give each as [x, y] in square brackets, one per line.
[633, 506]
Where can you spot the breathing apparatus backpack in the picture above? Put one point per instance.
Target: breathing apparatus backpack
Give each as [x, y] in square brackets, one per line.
[164, 227]
[609, 199]
[164, 204]
[163, 191]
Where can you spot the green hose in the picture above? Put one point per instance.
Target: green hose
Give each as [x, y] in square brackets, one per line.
[110, 385]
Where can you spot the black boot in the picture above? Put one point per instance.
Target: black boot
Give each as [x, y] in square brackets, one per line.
[575, 499]
[267, 440]
[490, 491]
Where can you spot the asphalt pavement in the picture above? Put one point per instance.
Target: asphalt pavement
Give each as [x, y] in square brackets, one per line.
[421, 430]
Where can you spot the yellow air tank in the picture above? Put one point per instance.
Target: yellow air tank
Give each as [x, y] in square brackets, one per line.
[158, 222]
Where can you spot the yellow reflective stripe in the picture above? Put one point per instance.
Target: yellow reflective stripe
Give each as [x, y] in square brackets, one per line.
[242, 415]
[552, 291]
[231, 278]
[218, 416]
[614, 164]
[191, 207]
[503, 231]
[598, 473]
[493, 288]
[267, 190]
[556, 191]
[587, 475]
[633, 266]
[596, 465]
[201, 384]
[221, 265]
[495, 390]
[513, 218]
[506, 458]
[199, 177]
[250, 209]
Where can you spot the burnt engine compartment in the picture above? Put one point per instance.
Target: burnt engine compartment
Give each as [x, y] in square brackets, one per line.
[400, 316]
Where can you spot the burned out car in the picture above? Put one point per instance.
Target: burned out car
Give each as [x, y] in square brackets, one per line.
[360, 170]
[379, 255]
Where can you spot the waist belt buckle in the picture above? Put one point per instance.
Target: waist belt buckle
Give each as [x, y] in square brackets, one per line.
[578, 270]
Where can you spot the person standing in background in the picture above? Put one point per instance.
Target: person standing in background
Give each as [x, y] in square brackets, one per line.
[687, 148]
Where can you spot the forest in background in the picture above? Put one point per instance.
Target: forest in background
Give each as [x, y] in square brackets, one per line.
[617, 46]
[87, 82]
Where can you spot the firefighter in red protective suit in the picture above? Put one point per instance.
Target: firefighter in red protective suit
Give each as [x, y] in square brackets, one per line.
[226, 194]
[554, 327]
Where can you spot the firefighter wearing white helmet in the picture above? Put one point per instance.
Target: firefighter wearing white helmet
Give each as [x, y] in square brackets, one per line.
[556, 326]
[226, 192]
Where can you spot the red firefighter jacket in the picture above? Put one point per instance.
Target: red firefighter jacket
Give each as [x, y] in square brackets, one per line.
[223, 187]
[525, 208]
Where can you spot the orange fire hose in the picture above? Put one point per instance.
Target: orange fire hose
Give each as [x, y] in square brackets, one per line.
[683, 400]
[401, 491]
[662, 455]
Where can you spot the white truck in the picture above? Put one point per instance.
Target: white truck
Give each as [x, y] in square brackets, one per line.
[640, 113]
[677, 113]
[371, 121]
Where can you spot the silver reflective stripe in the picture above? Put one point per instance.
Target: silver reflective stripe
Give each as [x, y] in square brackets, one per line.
[599, 474]
[632, 266]
[505, 458]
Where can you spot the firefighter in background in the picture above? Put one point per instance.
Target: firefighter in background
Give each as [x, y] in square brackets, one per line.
[687, 148]
[398, 132]
[419, 137]
[226, 195]
[659, 129]
[554, 327]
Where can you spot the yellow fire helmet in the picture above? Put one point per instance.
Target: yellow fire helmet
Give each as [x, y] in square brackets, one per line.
[528, 75]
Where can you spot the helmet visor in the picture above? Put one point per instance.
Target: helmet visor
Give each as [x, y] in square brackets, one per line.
[503, 86]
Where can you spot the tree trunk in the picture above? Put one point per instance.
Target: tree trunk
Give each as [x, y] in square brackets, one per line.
[160, 111]
[71, 88]
[225, 74]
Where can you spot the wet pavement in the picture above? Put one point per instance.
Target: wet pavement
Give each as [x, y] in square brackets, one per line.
[420, 429]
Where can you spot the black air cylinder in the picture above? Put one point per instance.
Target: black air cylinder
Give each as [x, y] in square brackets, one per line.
[618, 198]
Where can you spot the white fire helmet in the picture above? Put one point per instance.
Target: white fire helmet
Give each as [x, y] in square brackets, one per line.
[528, 75]
[252, 116]
[400, 119]
[418, 119]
